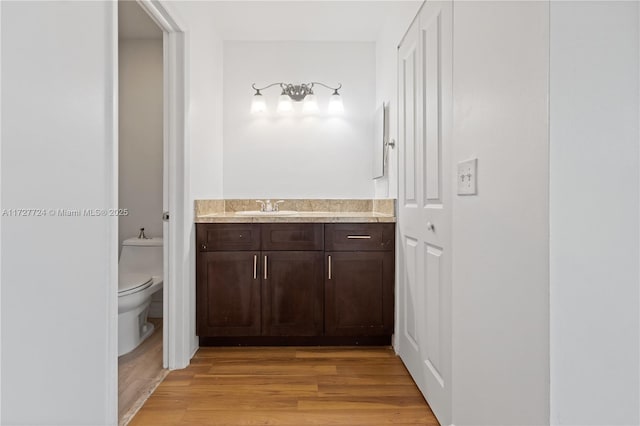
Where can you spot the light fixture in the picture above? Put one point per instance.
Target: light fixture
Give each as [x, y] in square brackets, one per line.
[310, 104]
[258, 103]
[335, 103]
[284, 103]
[297, 93]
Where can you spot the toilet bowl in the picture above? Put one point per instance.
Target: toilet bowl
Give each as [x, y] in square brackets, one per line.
[139, 277]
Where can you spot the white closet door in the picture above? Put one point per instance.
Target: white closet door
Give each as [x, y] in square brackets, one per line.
[424, 217]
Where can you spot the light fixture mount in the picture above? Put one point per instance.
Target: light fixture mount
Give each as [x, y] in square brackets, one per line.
[297, 92]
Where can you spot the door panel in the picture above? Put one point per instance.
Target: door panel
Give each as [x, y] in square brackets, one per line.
[433, 303]
[431, 38]
[410, 288]
[228, 293]
[408, 77]
[292, 293]
[359, 293]
[424, 214]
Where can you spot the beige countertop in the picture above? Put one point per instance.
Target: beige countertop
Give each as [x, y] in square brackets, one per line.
[307, 217]
[306, 211]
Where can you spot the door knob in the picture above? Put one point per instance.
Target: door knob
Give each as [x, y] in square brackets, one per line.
[431, 227]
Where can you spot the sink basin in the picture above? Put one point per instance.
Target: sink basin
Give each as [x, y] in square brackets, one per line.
[259, 213]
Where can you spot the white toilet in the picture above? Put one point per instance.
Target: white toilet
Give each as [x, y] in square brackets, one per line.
[139, 277]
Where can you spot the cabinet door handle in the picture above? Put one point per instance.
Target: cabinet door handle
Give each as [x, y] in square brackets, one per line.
[255, 266]
[265, 267]
[330, 267]
[359, 237]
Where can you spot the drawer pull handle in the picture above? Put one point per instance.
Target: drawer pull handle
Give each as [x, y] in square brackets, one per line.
[265, 267]
[359, 237]
[255, 266]
[329, 267]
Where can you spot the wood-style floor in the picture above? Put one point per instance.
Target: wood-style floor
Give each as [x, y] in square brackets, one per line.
[288, 386]
[139, 372]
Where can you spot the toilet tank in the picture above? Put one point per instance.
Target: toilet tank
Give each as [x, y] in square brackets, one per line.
[141, 256]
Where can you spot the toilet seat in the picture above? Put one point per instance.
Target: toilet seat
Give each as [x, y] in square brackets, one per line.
[129, 283]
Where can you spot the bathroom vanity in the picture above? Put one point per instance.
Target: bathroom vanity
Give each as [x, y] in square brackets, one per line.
[305, 278]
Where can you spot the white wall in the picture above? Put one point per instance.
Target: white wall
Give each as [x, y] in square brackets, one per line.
[140, 137]
[205, 100]
[387, 91]
[500, 236]
[204, 159]
[298, 156]
[594, 213]
[387, 87]
[58, 151]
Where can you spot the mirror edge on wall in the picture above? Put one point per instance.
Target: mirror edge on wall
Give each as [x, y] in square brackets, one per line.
[380, 139]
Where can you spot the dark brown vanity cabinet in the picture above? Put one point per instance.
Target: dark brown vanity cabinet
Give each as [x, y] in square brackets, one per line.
[259, 280]
[359, 286]
[292, 279]
[228, 286]
[281, 283]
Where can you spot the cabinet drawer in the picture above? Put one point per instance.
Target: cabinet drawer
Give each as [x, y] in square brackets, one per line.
[359, 236]
[292, 236]
[228, 237]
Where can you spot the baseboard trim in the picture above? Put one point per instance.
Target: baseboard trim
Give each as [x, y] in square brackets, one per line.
[295, 341]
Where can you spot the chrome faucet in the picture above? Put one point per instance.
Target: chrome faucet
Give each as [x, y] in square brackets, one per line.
[268, 206]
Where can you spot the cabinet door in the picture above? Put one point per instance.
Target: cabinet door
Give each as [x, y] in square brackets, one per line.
[228, 293]
[359, 293]
[292, 293]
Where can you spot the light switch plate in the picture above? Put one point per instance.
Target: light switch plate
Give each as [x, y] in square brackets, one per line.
[467, 177]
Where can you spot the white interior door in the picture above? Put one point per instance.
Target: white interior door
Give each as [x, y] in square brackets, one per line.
[424, 217]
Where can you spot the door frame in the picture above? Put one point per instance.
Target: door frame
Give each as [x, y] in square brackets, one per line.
[177, 328]
[176, 295]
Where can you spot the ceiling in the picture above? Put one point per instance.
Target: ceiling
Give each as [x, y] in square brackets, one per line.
[134, 23]
[325, 20]
[300, 20]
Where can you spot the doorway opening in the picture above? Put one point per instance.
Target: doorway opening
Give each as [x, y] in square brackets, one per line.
[141, 170]
[175, 338]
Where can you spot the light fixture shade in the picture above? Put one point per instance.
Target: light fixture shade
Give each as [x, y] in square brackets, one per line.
[335, 104]
[284, 103]
[258, 104]
[310, 104]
